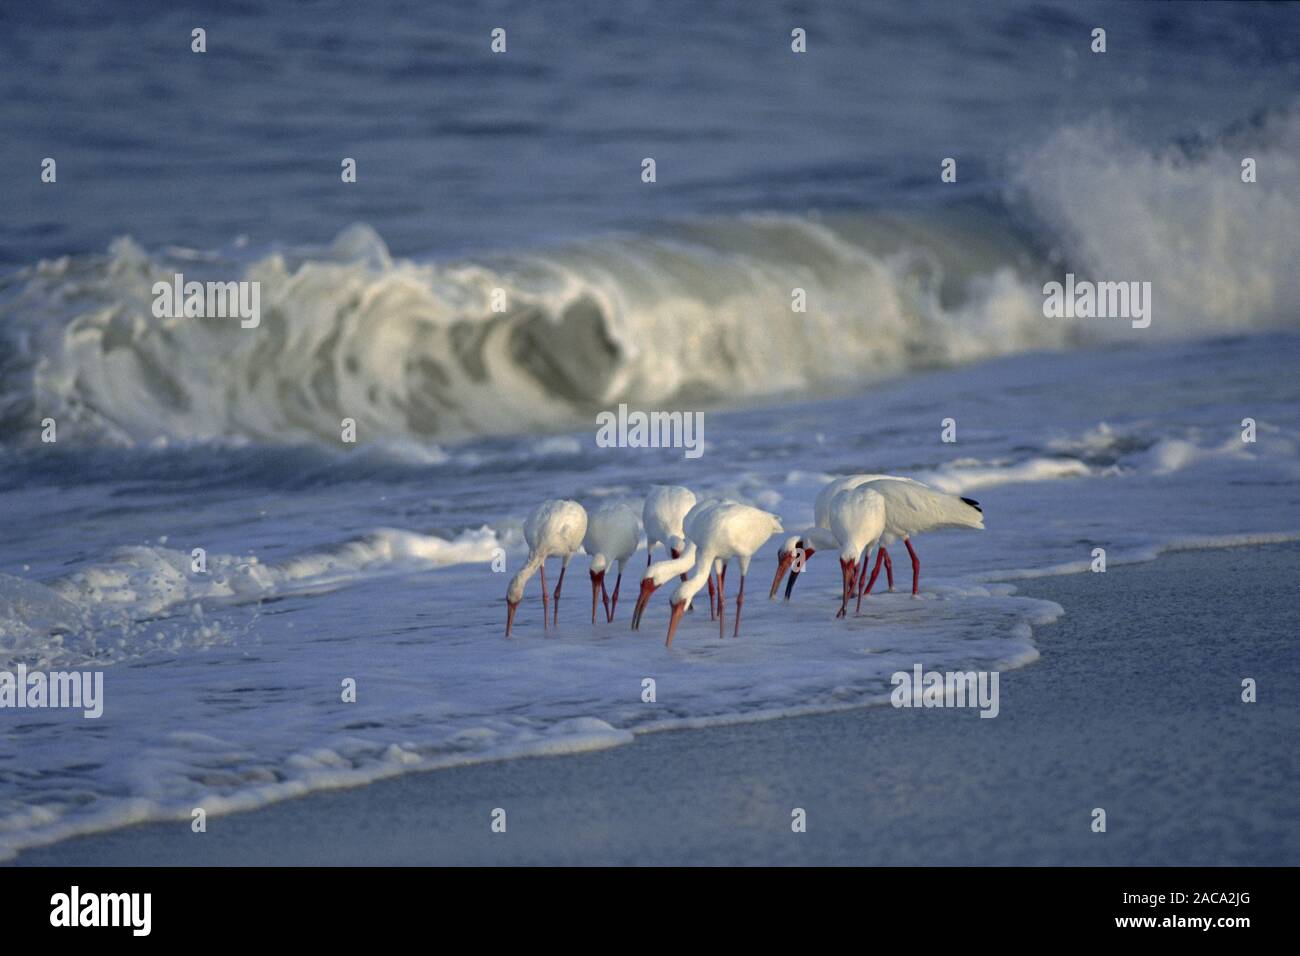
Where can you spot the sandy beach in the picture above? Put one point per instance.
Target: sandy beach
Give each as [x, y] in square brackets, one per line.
[1135, 706]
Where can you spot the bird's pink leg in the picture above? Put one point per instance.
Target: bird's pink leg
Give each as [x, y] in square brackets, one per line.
[712, 592]
[862, 578]
[881, 555]
[844, 573]
[618, 583]
[722, 607]
[559, 584]
[604, 596]
[546, 608]
[740, 602]
[845, 577]
[889, 570]
[916, 566]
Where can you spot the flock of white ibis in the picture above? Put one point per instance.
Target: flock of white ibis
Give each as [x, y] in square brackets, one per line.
[854, 514]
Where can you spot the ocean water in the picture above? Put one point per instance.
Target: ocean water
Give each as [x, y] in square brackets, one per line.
[373, 561]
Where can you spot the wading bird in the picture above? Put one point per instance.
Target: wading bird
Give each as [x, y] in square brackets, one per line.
[727, 531]
[819, 536]
[911, 508]
[663, 515]
[612, 536]
[857, 517]
[555, 528]
[661, 572]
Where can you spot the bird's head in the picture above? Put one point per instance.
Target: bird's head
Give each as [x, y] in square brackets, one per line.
[515, 592]
[794, 551]
[784, 558]
[597, 574]
[680, 599]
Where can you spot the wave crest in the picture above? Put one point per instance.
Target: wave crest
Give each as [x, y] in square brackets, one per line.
[696, 313]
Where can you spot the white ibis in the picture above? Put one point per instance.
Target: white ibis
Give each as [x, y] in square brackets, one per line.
[912, 508]
[612, 535]
[795, 552]
[819, 535]
[857, 517]
[663, 515]
[727, 531]
[555, 528]
[661, 572]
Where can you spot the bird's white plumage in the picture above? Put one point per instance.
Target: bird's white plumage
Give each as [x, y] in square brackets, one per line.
[555, 528]
[663, 571]
[612, 535]
[664, 514]
[727, 531]
[822, 506]
[912, 508]
[857, 517]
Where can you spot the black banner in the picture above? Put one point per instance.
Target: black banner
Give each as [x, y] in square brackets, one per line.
[337, 905]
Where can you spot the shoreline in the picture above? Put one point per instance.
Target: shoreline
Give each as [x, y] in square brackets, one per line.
[1082, 725]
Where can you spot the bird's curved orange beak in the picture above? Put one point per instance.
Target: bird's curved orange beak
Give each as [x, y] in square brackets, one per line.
[794, 575]
[674, 621]
[511, 607]
[597, 577]
[647, 588]
[783, 562]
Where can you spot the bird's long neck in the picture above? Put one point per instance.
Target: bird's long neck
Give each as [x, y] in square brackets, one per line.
[682, 564]
[535, 559]
[663, 571]
[691, 586]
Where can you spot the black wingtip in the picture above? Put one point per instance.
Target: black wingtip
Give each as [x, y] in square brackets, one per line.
[974, 504]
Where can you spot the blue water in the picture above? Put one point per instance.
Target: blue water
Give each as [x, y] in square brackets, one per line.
[460, 149]
[521, 172]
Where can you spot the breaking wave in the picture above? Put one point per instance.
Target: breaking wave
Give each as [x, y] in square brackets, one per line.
[699, 312]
